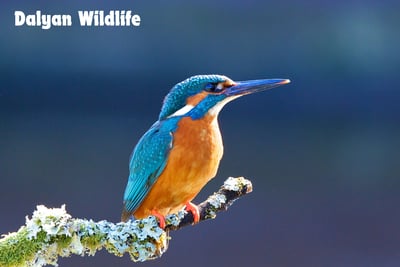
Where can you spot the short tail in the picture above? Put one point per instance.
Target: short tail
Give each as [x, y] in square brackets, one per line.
[125, 215]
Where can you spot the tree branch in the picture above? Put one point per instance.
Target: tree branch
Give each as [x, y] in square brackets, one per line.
[53, 233]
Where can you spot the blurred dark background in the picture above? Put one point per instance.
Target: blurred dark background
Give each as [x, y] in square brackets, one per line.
[322, 152]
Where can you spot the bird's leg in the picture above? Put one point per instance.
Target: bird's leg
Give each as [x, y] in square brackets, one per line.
[189, 206]
[160, 217]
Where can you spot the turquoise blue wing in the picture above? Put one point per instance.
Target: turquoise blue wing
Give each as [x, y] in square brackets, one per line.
[147, 162]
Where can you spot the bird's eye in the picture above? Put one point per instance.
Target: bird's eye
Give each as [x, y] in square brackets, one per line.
[213, 87]
[210, 87]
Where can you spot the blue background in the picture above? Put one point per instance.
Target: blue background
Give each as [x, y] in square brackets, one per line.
[322, 152]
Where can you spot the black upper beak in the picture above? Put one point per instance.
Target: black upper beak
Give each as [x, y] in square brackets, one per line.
[253, 86]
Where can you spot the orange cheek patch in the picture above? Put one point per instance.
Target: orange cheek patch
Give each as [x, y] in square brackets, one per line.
[228, 83]
[194, 100]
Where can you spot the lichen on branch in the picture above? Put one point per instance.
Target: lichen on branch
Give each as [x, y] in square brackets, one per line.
[53, 233]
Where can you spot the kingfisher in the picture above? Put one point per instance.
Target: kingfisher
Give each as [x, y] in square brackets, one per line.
[181, 151]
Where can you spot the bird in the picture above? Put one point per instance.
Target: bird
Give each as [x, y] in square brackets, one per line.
[181, 151]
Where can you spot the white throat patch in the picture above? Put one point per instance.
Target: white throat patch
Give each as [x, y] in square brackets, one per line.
[182, 111]
[212, 111]
[217, 108]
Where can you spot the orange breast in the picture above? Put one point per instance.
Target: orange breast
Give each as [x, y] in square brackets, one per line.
[192, 162]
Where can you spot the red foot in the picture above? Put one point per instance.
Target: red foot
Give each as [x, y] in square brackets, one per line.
[194, 210]
[160, 217]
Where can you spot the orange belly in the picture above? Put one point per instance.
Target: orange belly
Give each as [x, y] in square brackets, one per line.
[192, 162]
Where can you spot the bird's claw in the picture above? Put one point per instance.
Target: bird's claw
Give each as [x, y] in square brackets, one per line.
[194, 210]
[160, 217]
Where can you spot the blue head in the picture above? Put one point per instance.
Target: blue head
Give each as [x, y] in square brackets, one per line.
[207, 94]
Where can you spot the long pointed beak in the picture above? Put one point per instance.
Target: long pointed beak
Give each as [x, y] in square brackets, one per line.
[254, 86]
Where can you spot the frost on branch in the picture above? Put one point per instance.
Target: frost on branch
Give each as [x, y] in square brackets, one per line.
[53, 233]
